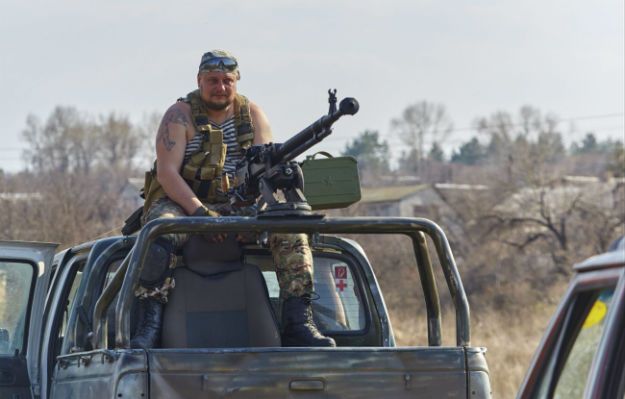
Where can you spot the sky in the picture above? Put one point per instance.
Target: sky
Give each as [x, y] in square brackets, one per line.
[475, 57]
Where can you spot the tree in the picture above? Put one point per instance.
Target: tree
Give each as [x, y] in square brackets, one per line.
[529, 131]
[67, 142]
[73, 142]
[79, 167]
[549, 146]
[436, 153]
[588, 145]
[499, 128]
[567, 222]
[409, 162]
[525, 146]
[67, 208]
[119, 141]
[470, 153]
[419, 123]
[146, 131]
[372, 154]
[616, 165]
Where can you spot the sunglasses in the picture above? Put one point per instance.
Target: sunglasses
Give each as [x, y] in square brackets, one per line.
[219, 64]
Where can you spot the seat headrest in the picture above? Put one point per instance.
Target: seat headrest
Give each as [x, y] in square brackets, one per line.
[206, 258]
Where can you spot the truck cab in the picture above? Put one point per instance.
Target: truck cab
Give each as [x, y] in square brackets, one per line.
[220, 334]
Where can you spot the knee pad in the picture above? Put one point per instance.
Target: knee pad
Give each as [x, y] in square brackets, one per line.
[157, 263]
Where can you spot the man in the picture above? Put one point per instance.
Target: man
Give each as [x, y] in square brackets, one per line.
[198, 145]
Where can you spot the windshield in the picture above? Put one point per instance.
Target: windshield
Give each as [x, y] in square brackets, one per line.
[16, 283]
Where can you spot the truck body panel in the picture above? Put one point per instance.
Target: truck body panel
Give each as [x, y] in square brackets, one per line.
[270, 373]
[101, 374]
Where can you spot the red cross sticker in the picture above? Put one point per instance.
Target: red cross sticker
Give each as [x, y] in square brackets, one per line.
[341, 285]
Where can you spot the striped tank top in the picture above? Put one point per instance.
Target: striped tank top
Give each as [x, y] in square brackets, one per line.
[233, 152]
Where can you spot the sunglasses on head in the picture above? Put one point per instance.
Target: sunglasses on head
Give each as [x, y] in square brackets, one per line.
[219, 64]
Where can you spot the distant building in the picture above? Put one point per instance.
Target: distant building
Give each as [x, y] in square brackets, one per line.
[419, 200]
[16, 197]
[439, 202]
[412, 200]
[563, 193]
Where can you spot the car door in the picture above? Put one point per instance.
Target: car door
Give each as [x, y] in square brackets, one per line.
[582, 352]
[24, 278]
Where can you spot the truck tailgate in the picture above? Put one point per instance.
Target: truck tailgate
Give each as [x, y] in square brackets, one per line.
[309, 372]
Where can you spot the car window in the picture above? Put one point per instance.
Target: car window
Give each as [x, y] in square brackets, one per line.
[574, 374]
[337, 302]
[16, 285]
[339, 307]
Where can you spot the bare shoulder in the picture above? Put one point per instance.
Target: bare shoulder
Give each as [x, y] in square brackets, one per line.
[257, 112]
[175, 127]
[261, 124]
[178, 118]
[254, 107]
[179, 112]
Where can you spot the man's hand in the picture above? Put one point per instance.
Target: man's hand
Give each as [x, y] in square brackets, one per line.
[202, 210]
[211, 237]
[244, 238]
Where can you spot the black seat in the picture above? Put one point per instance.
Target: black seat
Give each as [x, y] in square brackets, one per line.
[218, 302]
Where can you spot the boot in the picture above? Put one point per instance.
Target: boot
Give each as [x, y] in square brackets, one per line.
[299, 329]
[148, 330]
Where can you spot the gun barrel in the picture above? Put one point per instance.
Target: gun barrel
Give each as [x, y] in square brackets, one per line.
[314, 133]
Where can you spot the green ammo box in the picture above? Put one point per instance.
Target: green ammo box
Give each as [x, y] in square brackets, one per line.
[331, 182]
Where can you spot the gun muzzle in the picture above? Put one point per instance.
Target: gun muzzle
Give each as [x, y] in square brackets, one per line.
[348, 106]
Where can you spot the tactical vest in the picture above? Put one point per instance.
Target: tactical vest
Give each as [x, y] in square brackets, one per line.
[203, 170]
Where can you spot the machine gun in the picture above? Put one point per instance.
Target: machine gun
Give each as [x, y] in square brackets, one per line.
[269, 168]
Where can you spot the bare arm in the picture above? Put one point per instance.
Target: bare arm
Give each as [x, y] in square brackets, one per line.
[171, 142]
[262, 130]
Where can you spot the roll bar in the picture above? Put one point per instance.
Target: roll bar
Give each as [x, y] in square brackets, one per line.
[127, 276]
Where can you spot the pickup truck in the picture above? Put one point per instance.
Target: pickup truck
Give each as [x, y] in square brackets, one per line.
[66, 319]
[582, 353]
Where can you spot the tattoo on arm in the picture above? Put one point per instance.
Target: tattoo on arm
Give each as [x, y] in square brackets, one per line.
[173, 115]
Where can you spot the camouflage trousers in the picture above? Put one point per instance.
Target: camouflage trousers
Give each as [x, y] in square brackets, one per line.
[291, 255]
